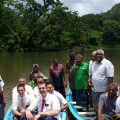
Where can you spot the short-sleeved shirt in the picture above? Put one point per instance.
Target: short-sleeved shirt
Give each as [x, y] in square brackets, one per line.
[16, 103]
[51, 103]
[100, 73]
[36, 91]
[61, 99]
[81, 75]
[118, 105]
[108, 104]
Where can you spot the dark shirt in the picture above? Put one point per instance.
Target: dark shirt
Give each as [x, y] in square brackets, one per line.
[69, 65]
[57, 74]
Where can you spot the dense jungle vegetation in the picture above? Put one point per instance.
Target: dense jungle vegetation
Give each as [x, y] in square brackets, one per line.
[26, 25]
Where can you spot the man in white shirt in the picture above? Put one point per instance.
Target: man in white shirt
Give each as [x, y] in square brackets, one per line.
[101, 75]
[93, 58]
[28, 89]
[62, 100]
[47, 105]
[22, 101]
[36, 89]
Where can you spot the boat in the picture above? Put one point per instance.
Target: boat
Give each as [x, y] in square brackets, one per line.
[77, 112]
[9, 114]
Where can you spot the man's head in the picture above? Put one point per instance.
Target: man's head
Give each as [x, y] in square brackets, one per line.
[72, 55]
[99, 55]
[36, 68]
[35, 77]
[112, 89]
[21, 89]
[78, 59]
[50, 87]
[93, 56]
[40, 80]
[43, 89]
[22, 81]
[55, 61]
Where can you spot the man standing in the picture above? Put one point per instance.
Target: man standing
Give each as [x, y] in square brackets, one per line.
[101, 75]
[69, 65]
[80, 74]
[107, 103]
[47, 105]
[57, 75]
[93, 58]
[71, 61]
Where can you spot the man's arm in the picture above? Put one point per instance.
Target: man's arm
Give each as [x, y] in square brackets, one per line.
[50, 72]
[29, 115]
[64, 78]
[16, 112]
[63, 107]
[52, 112]
[99, 112]
[90, 81]
[118, 107]
[100, 106]
[110, 80]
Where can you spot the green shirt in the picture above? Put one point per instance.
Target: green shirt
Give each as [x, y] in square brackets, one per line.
[81, 75]
[32, 83]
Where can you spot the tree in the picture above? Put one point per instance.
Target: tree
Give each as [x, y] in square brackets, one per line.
[111, 33]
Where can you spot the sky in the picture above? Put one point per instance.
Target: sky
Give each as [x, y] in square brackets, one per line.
[89, 6]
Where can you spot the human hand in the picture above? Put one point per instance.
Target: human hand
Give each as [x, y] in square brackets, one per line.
[90, 84]
[118, 115]
[22, 111]
[37, 116]
[29, 115]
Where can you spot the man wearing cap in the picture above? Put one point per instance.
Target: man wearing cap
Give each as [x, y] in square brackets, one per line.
[36, 69]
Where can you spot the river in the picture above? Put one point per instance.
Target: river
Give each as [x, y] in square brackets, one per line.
[13, 65]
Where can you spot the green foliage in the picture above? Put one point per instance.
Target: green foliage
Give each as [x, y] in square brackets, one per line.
[26, 25]
[111, 32]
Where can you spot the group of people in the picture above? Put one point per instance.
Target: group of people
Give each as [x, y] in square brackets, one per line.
[91, 85]
[39, 100]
